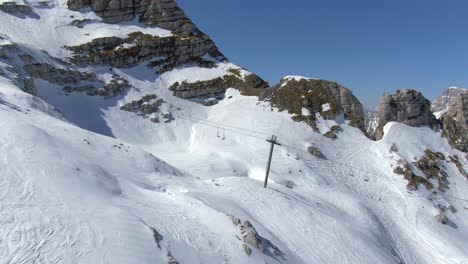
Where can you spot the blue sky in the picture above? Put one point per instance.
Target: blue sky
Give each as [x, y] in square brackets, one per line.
[369, 46]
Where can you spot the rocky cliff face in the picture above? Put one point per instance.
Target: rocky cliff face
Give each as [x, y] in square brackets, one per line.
[161, 13]
[455, 122]
[408, 107]
[167, 52]
[441, 104]
[307, 97]
[218, 86]
[186, 45]
[371, 122]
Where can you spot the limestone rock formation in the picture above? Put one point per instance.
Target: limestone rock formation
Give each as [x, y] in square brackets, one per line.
[441, 104]
[408, 107]
[138, 47]
[216, 87]
[52, 74]
[161, 13]
[455, 122]
[326, 98]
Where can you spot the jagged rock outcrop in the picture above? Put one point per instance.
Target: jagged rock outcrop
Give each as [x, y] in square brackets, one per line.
[307, 97]
[74, 81]
[371, 122]
[213, 87]
[216, 87]
[28, 69]
[161, 13]
[14, 8]
[441, 104]
[431, 164]
[315, 151]
[409, 107]
[251, 238]
[149, 106]
[169, 52]
[404, 168]
[52, 74]
[455, 122]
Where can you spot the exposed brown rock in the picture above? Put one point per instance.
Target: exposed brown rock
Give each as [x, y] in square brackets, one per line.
[431, 165]
[147, 105]
[413, 180]
[216, 87]
[171, 51]
[293, 95]
[330, 134]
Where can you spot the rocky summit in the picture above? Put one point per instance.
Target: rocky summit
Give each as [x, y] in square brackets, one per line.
[409, 107]
[305, 98]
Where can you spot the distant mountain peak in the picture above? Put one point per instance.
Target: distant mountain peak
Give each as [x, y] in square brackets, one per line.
[441, 104]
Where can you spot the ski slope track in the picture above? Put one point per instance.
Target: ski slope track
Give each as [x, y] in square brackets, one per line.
[82, 181]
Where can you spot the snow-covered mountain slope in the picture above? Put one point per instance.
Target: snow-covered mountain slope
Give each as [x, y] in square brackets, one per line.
[441, 104]
[83, 178]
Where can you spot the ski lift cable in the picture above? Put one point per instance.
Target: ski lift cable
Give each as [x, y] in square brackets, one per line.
[202, 122]
[222, 125]
[307, 161]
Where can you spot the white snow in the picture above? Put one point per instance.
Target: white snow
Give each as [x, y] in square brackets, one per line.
[295, 78]
[193, 74]
[325, 107]
[82, 181]
[305, 111]
[439, 114]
